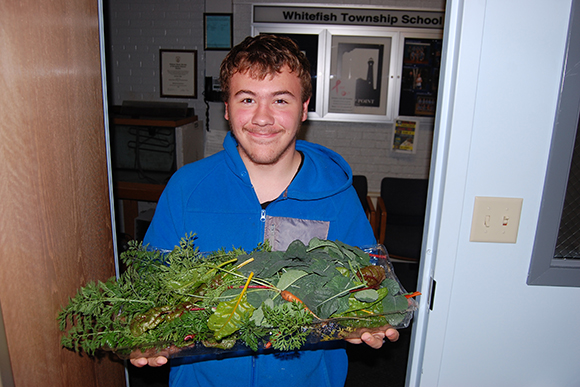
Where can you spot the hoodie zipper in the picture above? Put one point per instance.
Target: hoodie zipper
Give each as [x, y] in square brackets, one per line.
[253, 380]
[262, 235]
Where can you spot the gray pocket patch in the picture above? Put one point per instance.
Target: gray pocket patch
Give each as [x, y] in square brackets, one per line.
[281, 231]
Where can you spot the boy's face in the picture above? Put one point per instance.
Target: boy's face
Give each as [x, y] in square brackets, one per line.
[265, 115]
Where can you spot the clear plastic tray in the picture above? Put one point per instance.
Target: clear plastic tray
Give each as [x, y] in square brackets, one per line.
[361, 294]
[319, 332]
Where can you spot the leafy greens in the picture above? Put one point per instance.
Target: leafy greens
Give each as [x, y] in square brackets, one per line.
[184, 298]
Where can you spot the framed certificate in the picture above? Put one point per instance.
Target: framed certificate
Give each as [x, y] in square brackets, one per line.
[218, 31]
[178, 73]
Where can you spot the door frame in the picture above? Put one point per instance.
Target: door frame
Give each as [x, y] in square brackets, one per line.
[455, 108]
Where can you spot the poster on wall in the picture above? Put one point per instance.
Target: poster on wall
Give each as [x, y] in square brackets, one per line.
[420, 77]
[359, 69]
[404, 136]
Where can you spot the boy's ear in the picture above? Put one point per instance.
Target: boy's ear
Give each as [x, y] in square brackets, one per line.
[304, 110]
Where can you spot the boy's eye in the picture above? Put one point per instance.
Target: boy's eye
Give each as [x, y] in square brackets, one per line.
[280, 101]
[247, 100]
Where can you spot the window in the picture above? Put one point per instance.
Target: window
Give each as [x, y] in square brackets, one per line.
[556, 255]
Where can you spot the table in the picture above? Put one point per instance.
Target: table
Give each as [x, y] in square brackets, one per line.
[131, 193]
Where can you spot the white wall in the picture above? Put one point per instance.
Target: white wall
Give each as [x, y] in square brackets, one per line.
[137, 29]
[487, 327]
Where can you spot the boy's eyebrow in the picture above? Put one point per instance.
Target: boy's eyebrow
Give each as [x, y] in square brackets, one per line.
[244, 92]
[274, 94]
[283, 92]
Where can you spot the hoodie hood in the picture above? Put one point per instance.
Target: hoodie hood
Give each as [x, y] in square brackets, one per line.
[323, 172]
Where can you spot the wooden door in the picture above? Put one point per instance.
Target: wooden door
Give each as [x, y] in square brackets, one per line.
[55, 223]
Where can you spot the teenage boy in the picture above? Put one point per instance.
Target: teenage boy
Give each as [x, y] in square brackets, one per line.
[265, 184]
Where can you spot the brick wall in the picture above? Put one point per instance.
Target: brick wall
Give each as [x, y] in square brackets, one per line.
[367, 149]
[137, 29]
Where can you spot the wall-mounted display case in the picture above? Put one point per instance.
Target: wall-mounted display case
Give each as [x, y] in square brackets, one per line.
[362, 73]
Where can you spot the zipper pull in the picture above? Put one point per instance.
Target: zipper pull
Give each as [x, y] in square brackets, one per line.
[263, 216]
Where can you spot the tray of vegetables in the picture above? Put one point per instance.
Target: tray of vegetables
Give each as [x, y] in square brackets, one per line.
[184, 302]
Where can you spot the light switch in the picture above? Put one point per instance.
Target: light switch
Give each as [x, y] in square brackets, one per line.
[495, 219]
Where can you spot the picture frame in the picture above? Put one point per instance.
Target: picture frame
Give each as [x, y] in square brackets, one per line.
[218, 31]
[178, 73]
[420, 76]
[309, 45]
[359, 76]
[312, 42]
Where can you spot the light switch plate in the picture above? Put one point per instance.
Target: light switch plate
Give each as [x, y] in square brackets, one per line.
[496, 219]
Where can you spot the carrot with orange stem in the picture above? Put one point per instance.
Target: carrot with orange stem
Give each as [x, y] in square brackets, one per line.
[287, 296]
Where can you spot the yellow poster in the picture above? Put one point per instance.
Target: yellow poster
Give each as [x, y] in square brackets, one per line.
[404, 135]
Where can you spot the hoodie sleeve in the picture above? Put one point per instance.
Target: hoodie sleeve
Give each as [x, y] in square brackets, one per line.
[165, 232]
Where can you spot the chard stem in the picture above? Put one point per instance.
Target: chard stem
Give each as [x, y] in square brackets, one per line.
[341, 294]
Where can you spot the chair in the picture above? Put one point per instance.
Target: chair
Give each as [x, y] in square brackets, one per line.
[401, 212]
[360, 184]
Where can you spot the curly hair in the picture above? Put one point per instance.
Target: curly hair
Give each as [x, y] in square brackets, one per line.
[265, 55]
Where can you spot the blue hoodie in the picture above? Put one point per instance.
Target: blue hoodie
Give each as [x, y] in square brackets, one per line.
[214, 198]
